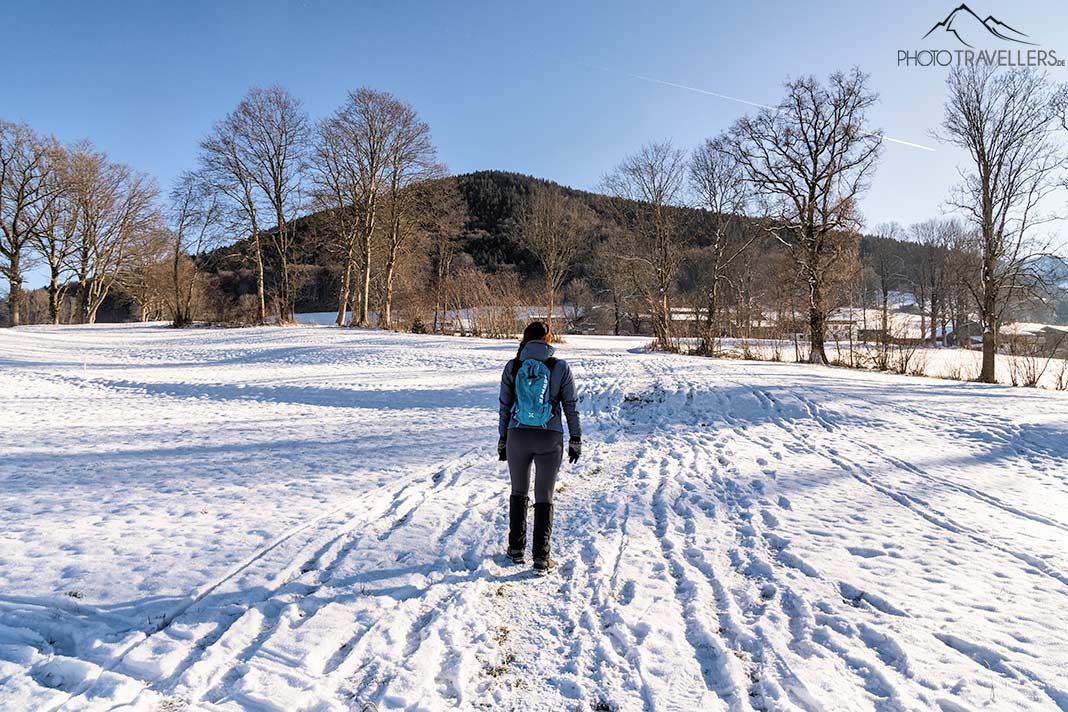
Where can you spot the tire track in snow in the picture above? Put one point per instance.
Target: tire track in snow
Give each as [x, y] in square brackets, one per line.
[697, 589]
[716, 664]
[886, 673]
[286, 574]
[916, 505]
[773, 682]
[804, 629]
[817, 414]
[927, 512]
[402, 511]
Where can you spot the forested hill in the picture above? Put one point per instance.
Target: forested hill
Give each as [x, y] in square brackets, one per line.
[493, 202]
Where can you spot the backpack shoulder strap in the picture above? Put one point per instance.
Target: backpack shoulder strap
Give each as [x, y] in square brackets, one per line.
[550, 363]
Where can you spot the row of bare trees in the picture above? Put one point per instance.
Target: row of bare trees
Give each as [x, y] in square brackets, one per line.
[367, 169]
[795, 173]
[368, 173]
[73, 210]
[796, 170]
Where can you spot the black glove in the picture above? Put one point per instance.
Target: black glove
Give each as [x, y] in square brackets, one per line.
[574, 449]
[502, 450]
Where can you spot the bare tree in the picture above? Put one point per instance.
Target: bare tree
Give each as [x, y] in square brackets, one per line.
[144, 274]
[115, 204]
[226, 164]
[333, 181]
[718, 182]
[1005, 121]
[354, 153]
[196, 222]
[55, 236]
[615, 277]
[552, 230]
[442, 224]
[648, 186]
[810, 158]
[272, 136]
[411, 159]
[888, 266]
[929, 271]
[27, 190]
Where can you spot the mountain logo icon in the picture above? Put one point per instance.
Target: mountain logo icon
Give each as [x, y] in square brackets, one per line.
[969, 28]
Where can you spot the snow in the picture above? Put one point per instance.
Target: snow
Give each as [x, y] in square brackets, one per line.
[313, 519]
[901, 325]
[1027, 328]
[937, 362]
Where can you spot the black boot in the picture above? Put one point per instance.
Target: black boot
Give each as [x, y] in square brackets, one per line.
[517, 528]
[543, 529]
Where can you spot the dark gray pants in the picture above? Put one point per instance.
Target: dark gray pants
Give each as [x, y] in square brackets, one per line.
[544, 448]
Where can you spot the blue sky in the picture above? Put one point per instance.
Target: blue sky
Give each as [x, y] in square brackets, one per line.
[504, 85]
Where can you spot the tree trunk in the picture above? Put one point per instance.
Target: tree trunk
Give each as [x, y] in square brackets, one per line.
[387, 301]
[287, 299]
[886, 315]
[552, 300]
[286, 306]
[259, 273]
[616, 314]
[816, 324]
[709, 345]
[989, 320]
[665, 327]
[180, 316]
[14, 298]
[365, 284]
[987, 375]
[83, 302]
[53, 298]
[934, 320]
[188, 314]
[344, 294]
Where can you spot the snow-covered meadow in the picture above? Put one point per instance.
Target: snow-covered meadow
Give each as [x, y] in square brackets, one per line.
[312, 519]
[950, 363]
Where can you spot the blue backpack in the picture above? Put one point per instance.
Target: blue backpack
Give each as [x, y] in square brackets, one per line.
[533, 405]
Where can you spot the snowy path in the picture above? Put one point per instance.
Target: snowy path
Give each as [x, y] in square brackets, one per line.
[312, 519]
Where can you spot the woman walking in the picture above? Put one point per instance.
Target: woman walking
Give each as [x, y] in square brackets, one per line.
[535, 388]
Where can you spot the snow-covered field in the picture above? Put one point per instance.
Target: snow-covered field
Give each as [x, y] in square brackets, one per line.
[312, 519]
[951, 363]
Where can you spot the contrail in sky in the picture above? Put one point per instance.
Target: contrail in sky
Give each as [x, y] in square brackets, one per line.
[728, 97]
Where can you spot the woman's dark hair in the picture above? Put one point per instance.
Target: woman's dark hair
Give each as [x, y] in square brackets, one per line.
[535, 331]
